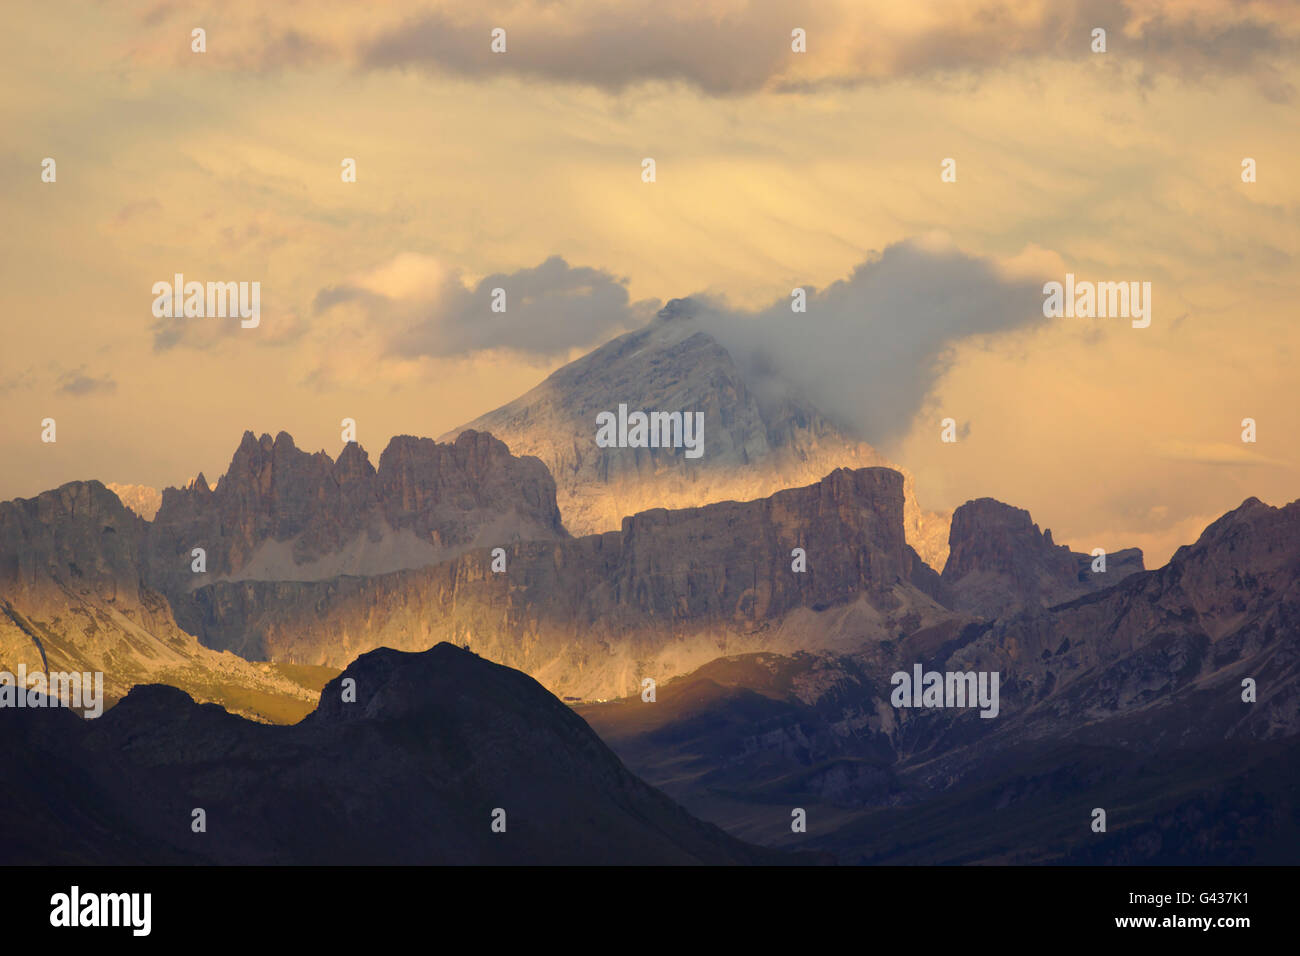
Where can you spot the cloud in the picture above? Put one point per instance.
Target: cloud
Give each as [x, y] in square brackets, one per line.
[14, 380]
[731, 47]
[277, 326]
[1222, 44]
[78, 383]
[421, 309]
[870, 348]
[199, 334]
[866, 353]
[731, 51]
[133, 210]
[738, 48]
[1214, 453]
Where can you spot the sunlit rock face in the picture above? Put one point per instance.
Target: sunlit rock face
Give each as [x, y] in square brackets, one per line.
[593, 616]
[74, 599]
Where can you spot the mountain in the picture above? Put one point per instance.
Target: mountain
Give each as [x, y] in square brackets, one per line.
[141, 499]
[592, 617]
[1225, 608]
[747, 734]
[88, 585]
[73, 597]
[282, 514]
[753, 448]
[999, 561]
[412, 772]
[1128, 698]
[1223, 803]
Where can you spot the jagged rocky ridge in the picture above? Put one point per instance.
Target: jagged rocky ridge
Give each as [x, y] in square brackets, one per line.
[282, 514]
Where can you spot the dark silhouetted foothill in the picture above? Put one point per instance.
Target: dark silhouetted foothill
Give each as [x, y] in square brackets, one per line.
[408, 774]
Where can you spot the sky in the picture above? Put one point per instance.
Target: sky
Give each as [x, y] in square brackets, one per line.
[773, 170]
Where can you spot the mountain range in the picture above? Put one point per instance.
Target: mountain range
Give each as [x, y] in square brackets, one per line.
[593, 617]
[731, 627]
[1131, 697]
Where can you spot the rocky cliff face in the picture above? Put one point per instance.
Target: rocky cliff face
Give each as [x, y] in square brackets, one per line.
[593, 616]
[751, 449]
[999, 561]
[411, 772]
[76, 538]
[73, 598]
[285, 515]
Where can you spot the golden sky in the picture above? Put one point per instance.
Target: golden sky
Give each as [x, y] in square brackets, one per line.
[774, 170]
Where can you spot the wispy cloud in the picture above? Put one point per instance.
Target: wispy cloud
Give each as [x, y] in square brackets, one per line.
[1215, 453]
[78, 383]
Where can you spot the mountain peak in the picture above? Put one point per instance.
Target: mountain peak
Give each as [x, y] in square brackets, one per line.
[1252, 525]
[752, 446]
[679, 309]
[248, 443]
[998, 560]
[353, 464]
[392, 684]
